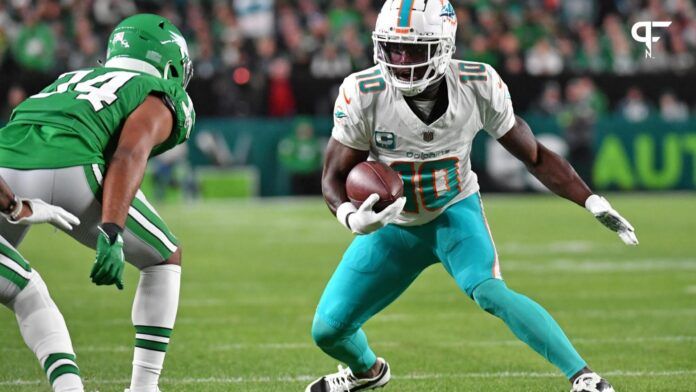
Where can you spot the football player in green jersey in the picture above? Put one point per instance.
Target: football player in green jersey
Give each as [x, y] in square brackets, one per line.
[24, 292]
[83, 143]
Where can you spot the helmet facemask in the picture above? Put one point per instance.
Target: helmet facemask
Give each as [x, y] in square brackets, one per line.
[411, 63]
[186, 68]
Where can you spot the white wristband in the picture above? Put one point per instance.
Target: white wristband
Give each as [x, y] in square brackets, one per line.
[342, 213]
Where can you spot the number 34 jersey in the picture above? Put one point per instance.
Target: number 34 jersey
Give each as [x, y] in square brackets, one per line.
[77, 120]
[433, 159]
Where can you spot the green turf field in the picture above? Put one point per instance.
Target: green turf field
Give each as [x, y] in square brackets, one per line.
[253, 272]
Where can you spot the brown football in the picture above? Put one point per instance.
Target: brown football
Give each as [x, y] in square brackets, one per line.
[371, 177]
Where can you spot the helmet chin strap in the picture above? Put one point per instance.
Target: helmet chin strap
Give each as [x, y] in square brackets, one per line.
[411, 92]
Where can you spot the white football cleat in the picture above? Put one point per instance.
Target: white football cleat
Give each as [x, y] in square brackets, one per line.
[345, 381]
[591, 382]
[156, 390]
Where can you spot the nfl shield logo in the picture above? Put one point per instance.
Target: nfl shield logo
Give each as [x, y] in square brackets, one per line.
[428, 136]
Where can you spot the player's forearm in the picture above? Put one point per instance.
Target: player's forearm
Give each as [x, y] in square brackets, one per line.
[6, 196]
[334, 189]
[551, 169]
[123, 178]
[339, 161]
[559, 176]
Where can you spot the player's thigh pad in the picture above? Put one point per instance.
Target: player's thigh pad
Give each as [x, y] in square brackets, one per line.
[464, 244]
[374, 271]
[15, 272]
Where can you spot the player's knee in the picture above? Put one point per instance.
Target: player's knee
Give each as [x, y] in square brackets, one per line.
[32, 298]
[491, 294]
[8, 292]
[175, 258]
[326, 335]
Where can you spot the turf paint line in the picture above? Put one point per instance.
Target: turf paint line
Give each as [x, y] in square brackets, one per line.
[601, 265]
[578, 312]
[412, 376]
[552, 247]
[477, 343]
[303, 345]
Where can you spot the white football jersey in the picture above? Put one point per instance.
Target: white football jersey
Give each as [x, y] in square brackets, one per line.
[433, 160]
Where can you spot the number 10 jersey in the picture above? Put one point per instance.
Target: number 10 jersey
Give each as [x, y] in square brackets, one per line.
[433, 159]
[77, 120]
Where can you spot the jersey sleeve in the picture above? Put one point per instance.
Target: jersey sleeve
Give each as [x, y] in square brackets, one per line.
[174, 97]
[497, 113]
[181, 106]
[349, 126]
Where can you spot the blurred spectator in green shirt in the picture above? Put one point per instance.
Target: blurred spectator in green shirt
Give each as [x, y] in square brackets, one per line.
[300, 154]
[34, 47]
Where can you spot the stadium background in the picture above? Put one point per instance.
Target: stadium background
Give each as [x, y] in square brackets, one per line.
[265, 69]
[266, 76]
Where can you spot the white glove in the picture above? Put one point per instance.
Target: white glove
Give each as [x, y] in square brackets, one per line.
[364, 220]
[601, 209]
[43, 212]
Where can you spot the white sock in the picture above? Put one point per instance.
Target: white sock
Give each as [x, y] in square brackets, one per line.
[44, 331]
[68, 382]
[154, 311]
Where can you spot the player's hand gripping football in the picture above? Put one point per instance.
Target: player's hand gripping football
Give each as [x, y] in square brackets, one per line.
[602, 210]
[108, 267]
[41, 212]
[365, 220]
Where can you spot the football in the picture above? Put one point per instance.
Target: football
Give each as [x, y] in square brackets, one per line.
[371, 177]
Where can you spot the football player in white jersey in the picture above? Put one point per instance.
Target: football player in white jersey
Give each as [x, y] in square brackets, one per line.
[418, 111]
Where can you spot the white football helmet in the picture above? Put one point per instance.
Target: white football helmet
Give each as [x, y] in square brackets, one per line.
[414, 42]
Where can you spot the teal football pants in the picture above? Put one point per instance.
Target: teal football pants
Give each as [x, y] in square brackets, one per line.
[378, 267]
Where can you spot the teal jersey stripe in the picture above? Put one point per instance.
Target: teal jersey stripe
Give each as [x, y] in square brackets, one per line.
[14, 277]
[14, 256]
[405, 13]
[156, 331]
[150, 345]
[55, 357]
[61, 370]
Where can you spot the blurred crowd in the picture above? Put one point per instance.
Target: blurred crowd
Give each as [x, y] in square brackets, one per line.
[280, 57]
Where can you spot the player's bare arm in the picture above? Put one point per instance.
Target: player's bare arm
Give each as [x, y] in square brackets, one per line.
[8, 201]
[340, 160]
[550, 168]
[560, 177]
[148, 126]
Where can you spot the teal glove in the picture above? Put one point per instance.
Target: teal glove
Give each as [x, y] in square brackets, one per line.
[108, 267]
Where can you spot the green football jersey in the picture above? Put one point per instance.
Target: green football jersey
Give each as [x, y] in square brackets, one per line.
[77, 120]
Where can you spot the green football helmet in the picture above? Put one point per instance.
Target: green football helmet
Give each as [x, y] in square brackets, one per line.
[151, 44]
